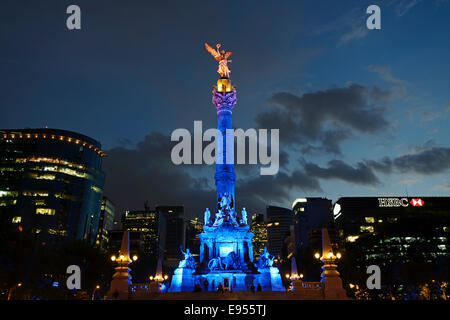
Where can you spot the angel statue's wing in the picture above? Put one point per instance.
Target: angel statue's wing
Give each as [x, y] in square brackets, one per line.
[228, 54]
[213, 52]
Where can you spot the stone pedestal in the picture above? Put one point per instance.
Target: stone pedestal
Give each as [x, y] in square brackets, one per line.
[182, 280]
[118, 289]
[270, 279]
[332, 283]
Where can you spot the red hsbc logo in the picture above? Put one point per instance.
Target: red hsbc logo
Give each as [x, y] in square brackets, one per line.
[417, 202]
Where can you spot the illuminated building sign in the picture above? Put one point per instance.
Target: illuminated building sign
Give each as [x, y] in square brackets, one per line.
[399, 202]
[417, 202]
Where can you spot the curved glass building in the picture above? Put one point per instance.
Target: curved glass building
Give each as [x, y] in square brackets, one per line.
[51, 183]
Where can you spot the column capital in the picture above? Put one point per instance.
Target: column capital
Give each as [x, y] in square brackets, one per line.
[224, 101]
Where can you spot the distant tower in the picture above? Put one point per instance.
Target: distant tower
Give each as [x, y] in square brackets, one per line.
[224, 99]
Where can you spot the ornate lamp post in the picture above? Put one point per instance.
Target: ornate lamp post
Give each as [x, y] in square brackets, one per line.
[331, 278]
[122, 279]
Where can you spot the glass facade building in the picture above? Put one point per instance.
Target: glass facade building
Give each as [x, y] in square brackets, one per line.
[279, 222]
[310, 216]
[106, 223]
[51, 183]
[193, 228]
[172, 233]
[399, 234]
[146, 222]
[258, 227]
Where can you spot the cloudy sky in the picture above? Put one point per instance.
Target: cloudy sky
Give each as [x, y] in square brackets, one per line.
[361, 112]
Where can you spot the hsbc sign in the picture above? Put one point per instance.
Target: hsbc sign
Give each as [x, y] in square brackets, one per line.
[417, 202]
[399, 202]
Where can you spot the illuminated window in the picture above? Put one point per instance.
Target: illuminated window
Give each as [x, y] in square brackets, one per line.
[16, 220]
[352, 238]
[35, 194]
[40, 202]
[45, 211]
[65, 196]
[7, 193]
[370, 219]
[43, 176]
[57, 232]
[276, 223]
[9, 202]
[97, 189]
[366, 229]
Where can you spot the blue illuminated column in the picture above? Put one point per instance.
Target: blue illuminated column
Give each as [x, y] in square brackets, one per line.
[224, 99]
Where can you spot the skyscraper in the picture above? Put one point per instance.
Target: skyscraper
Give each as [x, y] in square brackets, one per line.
[407, 237]
[146, 222]
[193, 229]
[259, 228]
[279, 221]
[310, 216]
[172, 233]
[51, 183]
[106, 223]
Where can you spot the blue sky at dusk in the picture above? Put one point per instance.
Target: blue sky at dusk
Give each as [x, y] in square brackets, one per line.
[361, 112]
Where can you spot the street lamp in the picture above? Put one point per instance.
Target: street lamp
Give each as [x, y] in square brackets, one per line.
[93, 292]
[12, 289]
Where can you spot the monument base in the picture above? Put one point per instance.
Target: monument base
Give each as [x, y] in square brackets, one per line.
[119, 289]
[182, 280]
[268, 278]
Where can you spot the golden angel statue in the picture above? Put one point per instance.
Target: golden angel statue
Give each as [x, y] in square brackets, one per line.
[222, 57]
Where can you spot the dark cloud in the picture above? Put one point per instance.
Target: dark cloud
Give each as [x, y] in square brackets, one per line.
[384, 165]
[431, 161]
[146, 172]
[337, 169]
[327, 117]
[427, 160]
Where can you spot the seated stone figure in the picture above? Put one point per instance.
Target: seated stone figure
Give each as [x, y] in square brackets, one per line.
[188, 262]
[265, 259]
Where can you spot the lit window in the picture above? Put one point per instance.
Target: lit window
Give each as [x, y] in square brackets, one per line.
[8, 202]
[45, 211]
[7, 193]
[96, 189]
[16, 220]
[366, 229]
[276, 223]
[57, 232]
[35, 194]
[352, 238]
[370, 219]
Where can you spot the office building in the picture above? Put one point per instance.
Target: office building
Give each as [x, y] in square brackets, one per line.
[147, 223]
[172, 233]
[258, 227]
[399, 234]
[106, 223]
[51, 184]
[310, 216]
[193, 228]
[279, 222]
